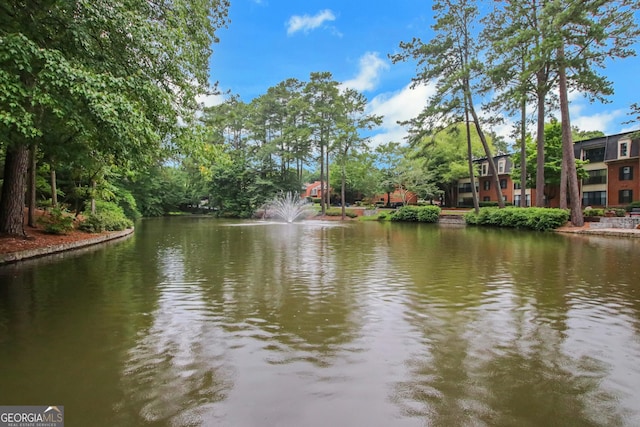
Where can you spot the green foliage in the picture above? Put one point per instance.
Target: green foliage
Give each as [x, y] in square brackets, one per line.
[428, 214]
[632, 205]
[619, 212]
[338, 212]
[58, 221]
[108, 217]
[539, 219]
[593, 212]
[552, 157]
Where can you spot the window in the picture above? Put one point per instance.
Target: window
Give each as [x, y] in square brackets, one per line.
[625, 196]
[503, 183]
[598, 176]
[487, 185]
[516, 186]
[485, 169]
[594, 198]
[486, 199]
[501, 165]
[517, 199]
[626, 173]
[623, 149]
[464, 188]
[594, 155]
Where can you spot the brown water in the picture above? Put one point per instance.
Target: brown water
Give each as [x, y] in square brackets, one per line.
[196, 321]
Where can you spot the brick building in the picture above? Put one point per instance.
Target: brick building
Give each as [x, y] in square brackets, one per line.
[613, 168]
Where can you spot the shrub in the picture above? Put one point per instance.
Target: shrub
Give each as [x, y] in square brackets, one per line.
[58, 221]
[108, 217]
[593, 212]
[619, 212]
[338, 212]
[428, 214]
[383, 217]
[632, 205]
[540, 219]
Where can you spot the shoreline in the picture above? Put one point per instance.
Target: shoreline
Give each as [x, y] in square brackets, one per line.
[53, 248]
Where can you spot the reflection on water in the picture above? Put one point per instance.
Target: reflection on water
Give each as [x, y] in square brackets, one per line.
[197, 321]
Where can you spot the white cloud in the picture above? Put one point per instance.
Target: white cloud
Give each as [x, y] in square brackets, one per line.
[307, 23]
[605, 121]
[370, 67]
[210, 100]
[397, 106]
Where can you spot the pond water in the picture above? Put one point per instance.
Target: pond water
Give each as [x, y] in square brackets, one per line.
[198, 321]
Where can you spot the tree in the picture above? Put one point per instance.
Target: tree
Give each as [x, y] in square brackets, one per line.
[446, 155]
[389, 156]
[452, 57]
[122, 76]
[351, 120]
[553, 161]
[586, 34]
[521, 66]
[321, 95]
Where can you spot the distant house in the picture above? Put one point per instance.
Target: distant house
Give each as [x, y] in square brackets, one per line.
[397, 198]
[613, 168]
[313, 190]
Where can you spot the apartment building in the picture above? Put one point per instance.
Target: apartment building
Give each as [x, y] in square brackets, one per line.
[613, 170]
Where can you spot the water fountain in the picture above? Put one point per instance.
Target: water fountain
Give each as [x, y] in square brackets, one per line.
[288, 206]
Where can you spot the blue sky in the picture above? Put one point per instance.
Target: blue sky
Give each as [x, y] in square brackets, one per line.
[268, 41]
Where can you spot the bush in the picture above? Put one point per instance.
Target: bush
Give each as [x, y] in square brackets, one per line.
[619, 212]
[632, 205]
[540, 219]
[428, 214]
[383, 217]
[593, 212]
[58, 221]
[338, 212]
[108, 217]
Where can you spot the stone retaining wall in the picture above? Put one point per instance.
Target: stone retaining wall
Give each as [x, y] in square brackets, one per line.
[616, 222]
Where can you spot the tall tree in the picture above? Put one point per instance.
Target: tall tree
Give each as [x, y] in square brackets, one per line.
[521, 69]
[586, 34]
[352, 120]
[125, 75]
[452, 58]
[321, 95]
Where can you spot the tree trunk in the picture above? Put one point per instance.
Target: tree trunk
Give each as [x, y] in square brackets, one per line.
[563, 179]
[31, 187]
[523, 152]
[476, 203]
[12, 201]
[93, 196]
[54, 189]
[343, 192]
[322, 205]
[540, 141]
[568, 154]
[328, 186]
[492, 165]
